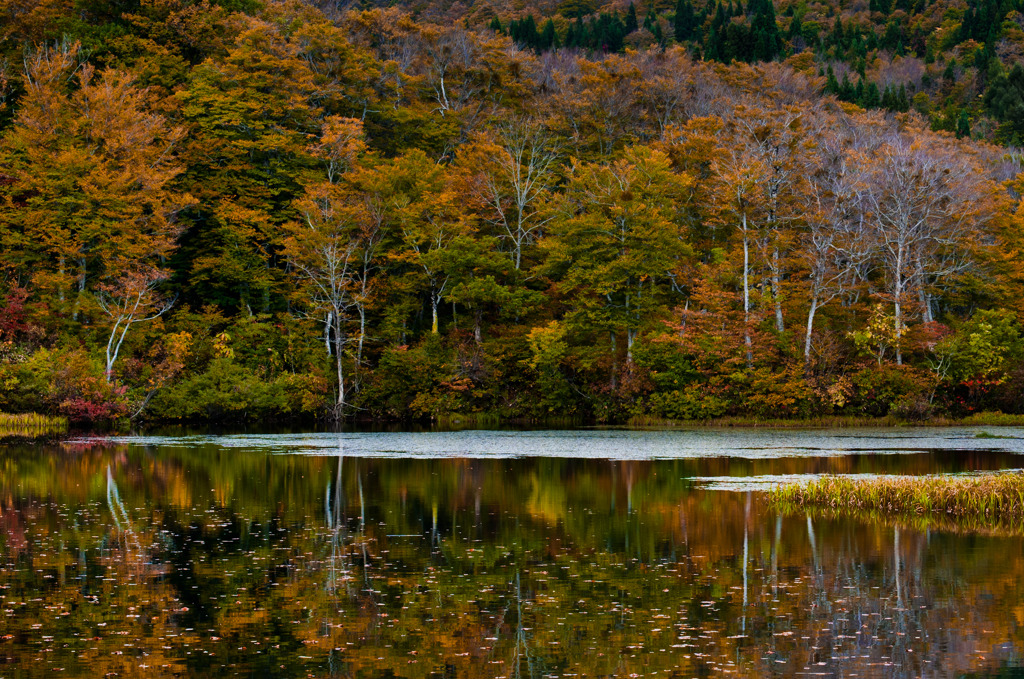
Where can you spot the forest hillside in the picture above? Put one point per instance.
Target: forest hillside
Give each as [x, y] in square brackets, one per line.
[238, 210]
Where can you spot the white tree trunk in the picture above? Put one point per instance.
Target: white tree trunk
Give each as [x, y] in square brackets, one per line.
[898, 285]
[434, 300]
[327, 331]
[777, 291]
[810, 329]
[338, 361]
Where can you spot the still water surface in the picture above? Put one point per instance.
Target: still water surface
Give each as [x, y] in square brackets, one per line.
[494, 554]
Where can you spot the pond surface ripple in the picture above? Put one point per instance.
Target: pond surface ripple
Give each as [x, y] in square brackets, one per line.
[596, 553]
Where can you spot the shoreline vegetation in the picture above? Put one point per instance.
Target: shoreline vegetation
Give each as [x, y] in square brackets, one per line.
[31, 425]
[988, 419]
[36, 426]
[988, 502]
[761, 213]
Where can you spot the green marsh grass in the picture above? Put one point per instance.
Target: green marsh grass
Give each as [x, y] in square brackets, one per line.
[825, 421]
[977, 500]
[31, 425]
[993, 419]
[987, 435]
[491, 419]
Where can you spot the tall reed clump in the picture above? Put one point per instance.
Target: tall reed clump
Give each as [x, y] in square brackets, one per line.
[31, 425]
[998, 496]
[994, 419]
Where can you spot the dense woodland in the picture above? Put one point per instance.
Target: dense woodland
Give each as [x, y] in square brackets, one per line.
[251, 210]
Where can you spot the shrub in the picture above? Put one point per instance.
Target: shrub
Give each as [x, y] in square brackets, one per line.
[691, 403]
[877, 389]
[767, 393]
[64, 381]
[417, 381]
[229, 391]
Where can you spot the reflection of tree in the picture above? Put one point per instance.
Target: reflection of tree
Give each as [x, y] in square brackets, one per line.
[337, 527]
[130, 541]
[521, 649]
[350, 567]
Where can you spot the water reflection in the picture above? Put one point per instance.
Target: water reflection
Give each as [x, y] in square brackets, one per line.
[210, 561]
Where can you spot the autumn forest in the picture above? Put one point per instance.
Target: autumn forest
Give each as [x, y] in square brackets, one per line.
[231, 210]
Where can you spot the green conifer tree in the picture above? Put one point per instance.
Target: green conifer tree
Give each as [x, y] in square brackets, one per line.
[963, 125]
[684, 20]
[631, 20]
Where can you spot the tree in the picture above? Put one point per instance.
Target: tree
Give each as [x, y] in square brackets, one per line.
[835, 249]
[927, 204]
[92, 168]
[129, 299]
[761, 168]
[684, 21]
[322, 248]
[764, 30]
[631, 21]
[428, 216]
[575, 9]
[549, 36]
[963, 125]
[512, 177]
[595, 105]
[617, 241]
[740, 175]
[251, 113]
[781, 143]
[1005, 100]
[332, 247]
[980, 349]
[675, 87]
[881, 333]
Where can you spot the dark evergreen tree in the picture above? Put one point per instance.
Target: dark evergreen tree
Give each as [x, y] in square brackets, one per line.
[713, 49]
[524, 32]
[831, 84]
[570, 36]
[846, 89]
[1005, 101]
[963, 125]
[888, 99]
[549, 36]
[767, 44]
[892, 37]
[659, 35]
[736, 44]
[871, 98]
[684, 21]
[631, 20]
[795, 27]
[838, 39]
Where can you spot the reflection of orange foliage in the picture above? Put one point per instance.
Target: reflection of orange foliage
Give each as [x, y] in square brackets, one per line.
[13, 529]
[598, 568]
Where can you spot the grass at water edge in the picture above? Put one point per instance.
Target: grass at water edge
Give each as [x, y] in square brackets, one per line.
[975, 503]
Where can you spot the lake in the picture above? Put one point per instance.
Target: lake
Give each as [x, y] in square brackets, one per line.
[591, 553]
